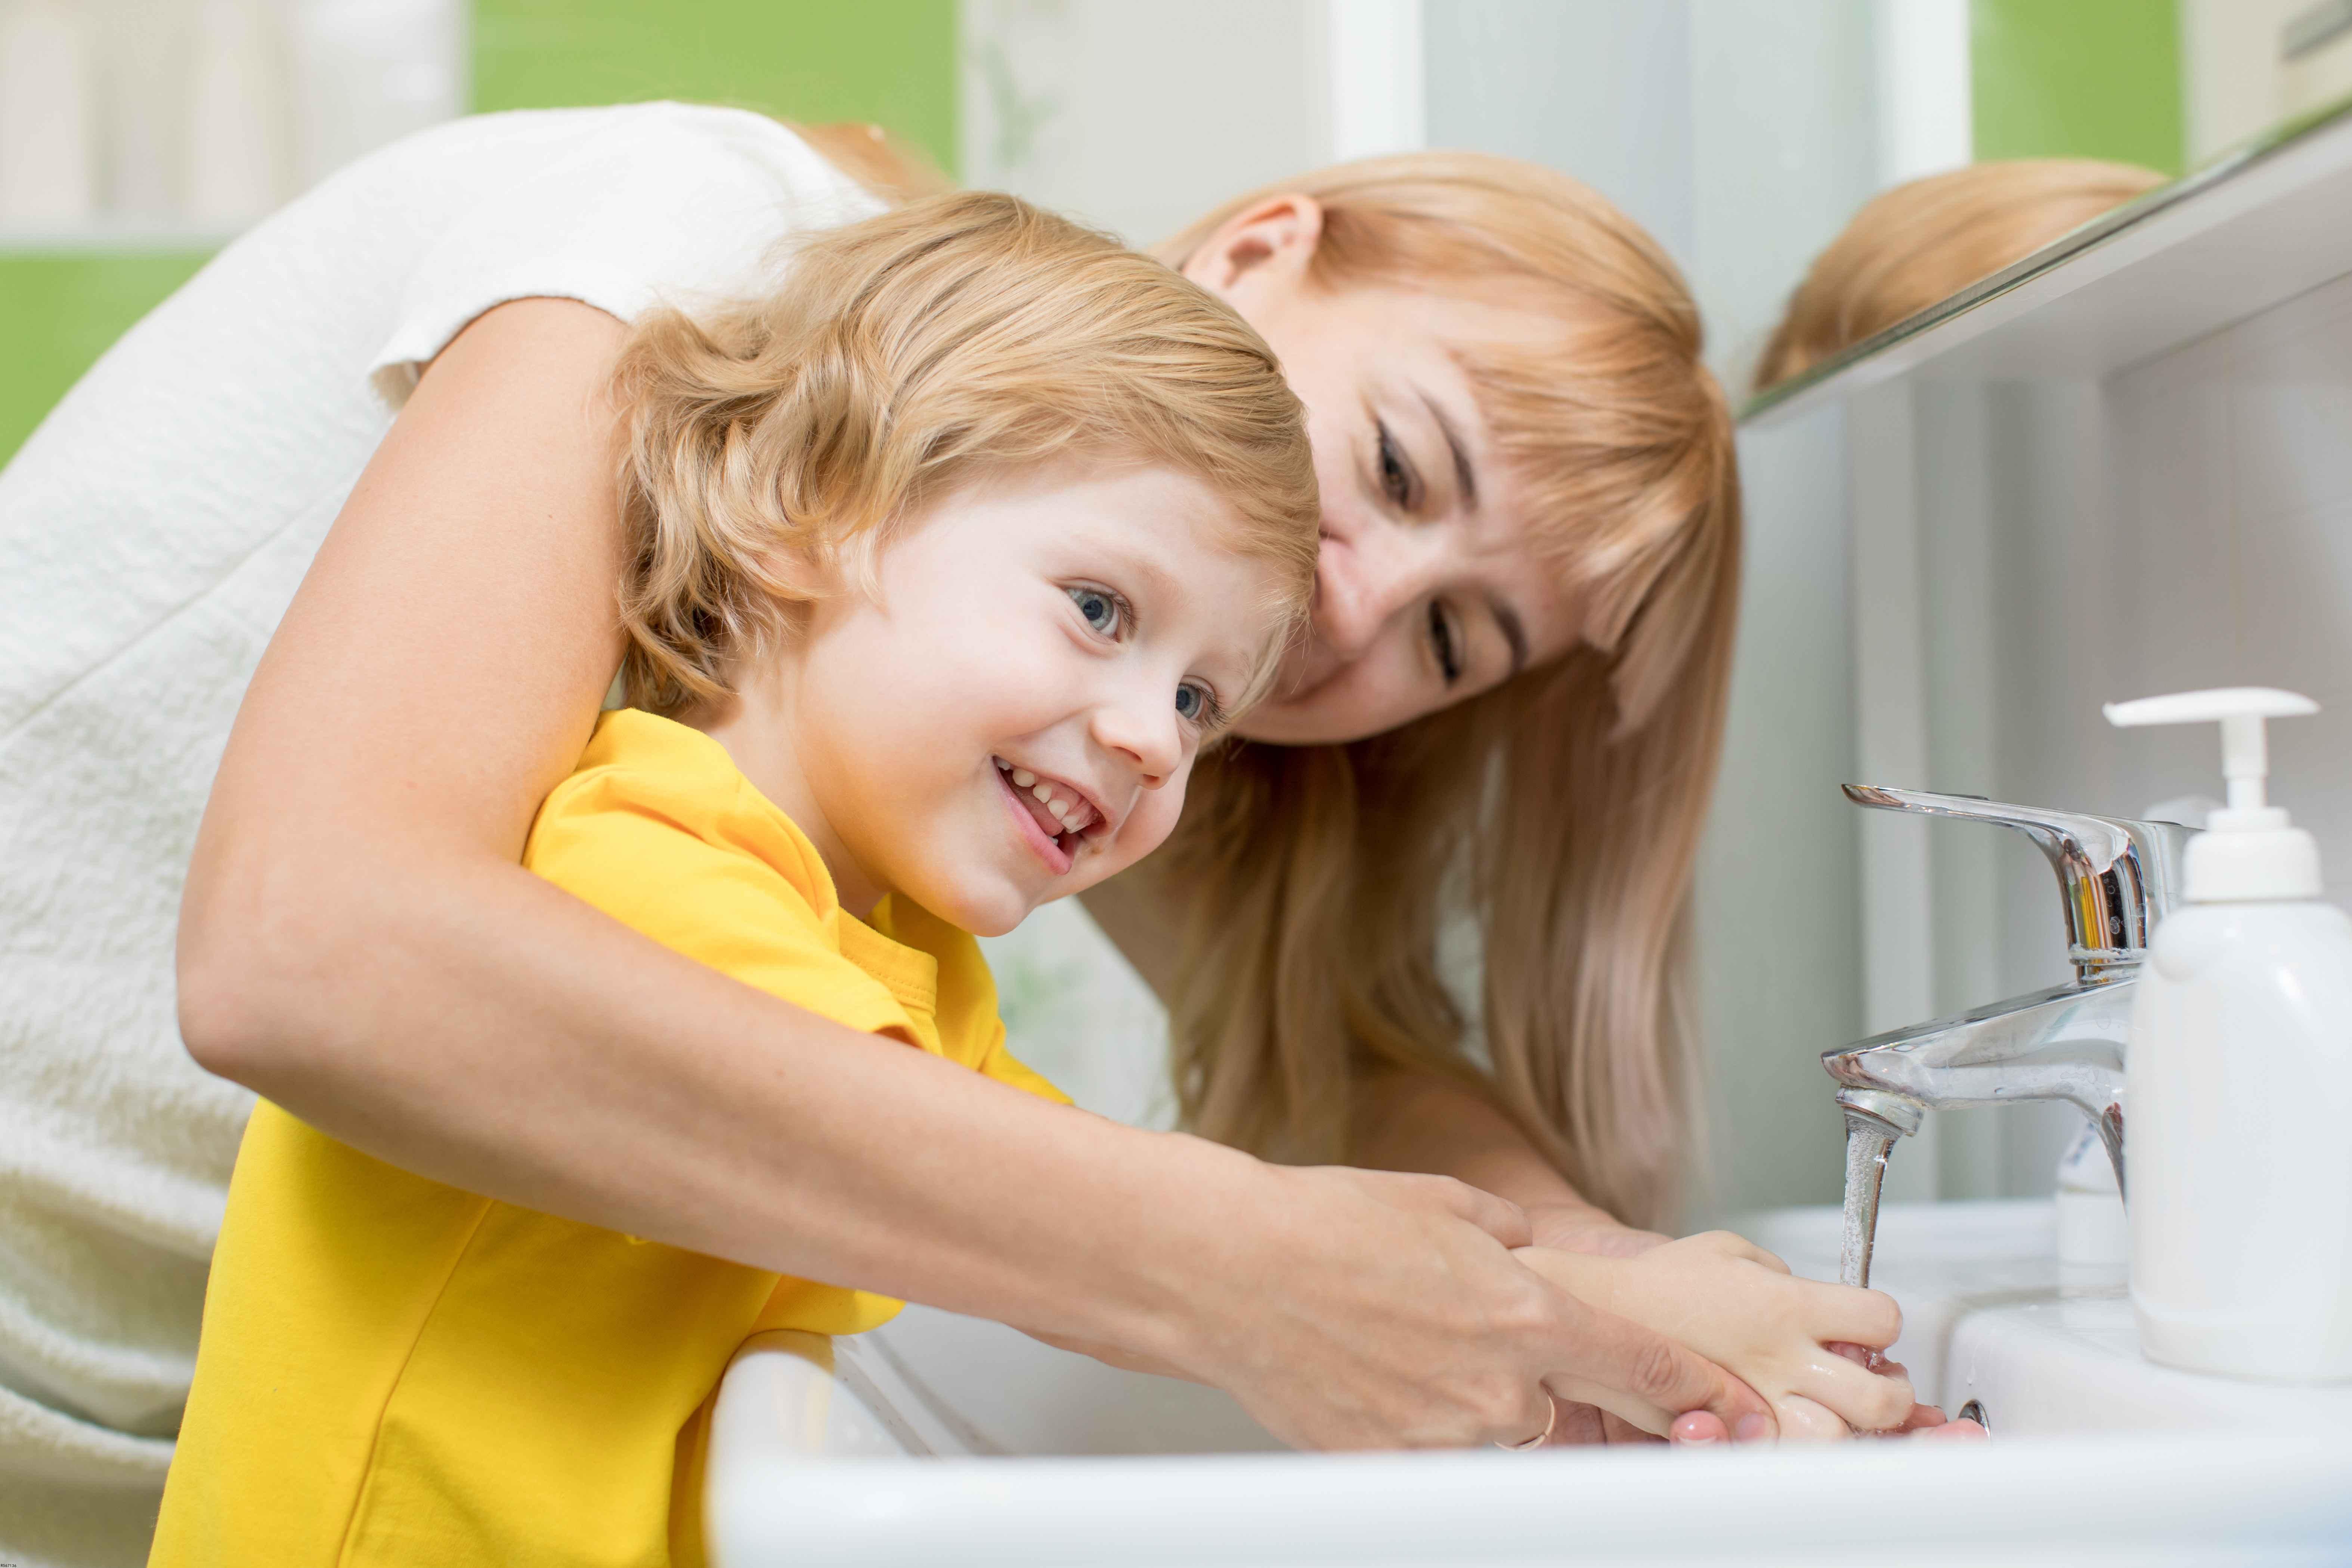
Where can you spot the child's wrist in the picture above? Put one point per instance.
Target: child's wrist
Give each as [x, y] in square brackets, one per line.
[1583, 1228]
[1592, 1278]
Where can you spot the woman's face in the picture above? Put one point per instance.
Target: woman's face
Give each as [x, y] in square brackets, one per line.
[1427, 589]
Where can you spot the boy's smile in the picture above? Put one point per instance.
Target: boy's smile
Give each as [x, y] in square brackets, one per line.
[1060, 815]
[1010, 714]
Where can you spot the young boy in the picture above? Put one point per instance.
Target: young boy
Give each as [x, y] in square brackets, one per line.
[944, 564]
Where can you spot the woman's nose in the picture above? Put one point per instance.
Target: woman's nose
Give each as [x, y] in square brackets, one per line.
[1363, 578]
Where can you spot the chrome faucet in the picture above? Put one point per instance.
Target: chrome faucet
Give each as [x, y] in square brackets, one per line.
[2118, 878]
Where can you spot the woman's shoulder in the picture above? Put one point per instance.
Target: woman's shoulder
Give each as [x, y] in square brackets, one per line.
[624, 208]
[663, 130]
[699, 141]
[700, 164]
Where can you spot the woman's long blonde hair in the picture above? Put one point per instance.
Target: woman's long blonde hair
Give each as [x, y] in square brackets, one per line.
[1570, 801]
[1927, 239]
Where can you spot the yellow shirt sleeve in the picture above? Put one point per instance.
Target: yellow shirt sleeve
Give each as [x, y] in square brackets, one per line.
[1005, 1067]
[659, 830]
[668, 862]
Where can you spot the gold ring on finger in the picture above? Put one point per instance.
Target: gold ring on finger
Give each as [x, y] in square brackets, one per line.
[1540, 1438]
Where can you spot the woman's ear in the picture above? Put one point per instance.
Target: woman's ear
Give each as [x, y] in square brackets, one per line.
[1270, 242]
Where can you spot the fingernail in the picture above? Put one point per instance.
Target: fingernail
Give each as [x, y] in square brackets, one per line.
[1752, 1428]
[1695, 1442]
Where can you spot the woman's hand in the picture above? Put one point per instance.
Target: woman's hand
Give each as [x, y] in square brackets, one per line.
[1417, 1121]
[1582, 1227]
[1390, 1311]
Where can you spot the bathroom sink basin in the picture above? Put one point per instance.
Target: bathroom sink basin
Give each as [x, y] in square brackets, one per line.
[1988, 1315]
[940, 1439]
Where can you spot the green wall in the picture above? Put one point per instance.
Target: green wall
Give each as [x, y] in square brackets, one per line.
[2092, 79]
[59, 310]
[893, 61]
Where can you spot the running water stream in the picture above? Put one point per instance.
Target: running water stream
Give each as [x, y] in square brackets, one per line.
[1867, 1140]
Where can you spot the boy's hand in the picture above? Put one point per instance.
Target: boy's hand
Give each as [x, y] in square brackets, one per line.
[1738, 1306]
[1581, 1227]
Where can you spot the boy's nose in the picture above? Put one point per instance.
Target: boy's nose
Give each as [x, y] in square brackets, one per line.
[1144, 728]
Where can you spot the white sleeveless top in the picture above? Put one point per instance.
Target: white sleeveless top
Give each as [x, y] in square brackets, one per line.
[152, 533]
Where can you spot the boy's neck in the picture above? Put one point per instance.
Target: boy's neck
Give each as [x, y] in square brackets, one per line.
[754, 726]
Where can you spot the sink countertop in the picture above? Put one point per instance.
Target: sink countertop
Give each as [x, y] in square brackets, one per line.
[813, 1444]
[1987, 1314]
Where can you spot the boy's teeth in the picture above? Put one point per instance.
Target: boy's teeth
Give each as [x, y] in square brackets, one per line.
[1075, 815]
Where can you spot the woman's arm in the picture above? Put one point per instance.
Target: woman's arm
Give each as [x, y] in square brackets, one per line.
[359, 943]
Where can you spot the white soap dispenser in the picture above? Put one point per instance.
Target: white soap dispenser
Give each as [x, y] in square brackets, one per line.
[2239, 1137]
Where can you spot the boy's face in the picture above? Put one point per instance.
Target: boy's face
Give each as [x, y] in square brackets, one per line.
[1081, 631]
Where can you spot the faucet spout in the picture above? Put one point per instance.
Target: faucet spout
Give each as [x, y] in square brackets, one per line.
[2116, 879]
[2066, 1043]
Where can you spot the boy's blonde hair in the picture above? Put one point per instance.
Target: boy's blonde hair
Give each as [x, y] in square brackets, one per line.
[956, 338]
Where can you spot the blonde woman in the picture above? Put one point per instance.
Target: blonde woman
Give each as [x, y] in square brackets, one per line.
[1926, 241]
[355, 486]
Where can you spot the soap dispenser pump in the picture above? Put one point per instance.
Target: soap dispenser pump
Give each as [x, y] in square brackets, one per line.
[2239, 1083]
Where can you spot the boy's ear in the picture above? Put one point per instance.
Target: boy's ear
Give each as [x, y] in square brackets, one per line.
[1275, 236]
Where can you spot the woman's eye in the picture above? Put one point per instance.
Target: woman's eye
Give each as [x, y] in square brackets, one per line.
[1443, 644]
[1101, 609]
[1396, 482]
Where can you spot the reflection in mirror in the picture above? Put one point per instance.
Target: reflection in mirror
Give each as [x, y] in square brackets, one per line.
[1925, 240]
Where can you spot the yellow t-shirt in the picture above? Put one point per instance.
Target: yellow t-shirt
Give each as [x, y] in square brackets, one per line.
[395, 1372]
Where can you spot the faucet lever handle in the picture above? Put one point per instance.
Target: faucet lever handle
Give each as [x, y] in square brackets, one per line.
[2117, 876]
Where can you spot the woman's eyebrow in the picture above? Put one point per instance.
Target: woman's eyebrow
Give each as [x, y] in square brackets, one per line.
[1462, 476]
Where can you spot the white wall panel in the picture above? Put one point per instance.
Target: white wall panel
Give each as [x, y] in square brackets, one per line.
[1141, 117]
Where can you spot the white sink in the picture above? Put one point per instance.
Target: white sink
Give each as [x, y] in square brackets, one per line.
[940, 1439]
[1987, 1316]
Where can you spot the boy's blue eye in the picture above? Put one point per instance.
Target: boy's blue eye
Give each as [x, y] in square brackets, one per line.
[1099, 609]
[1196, 704]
